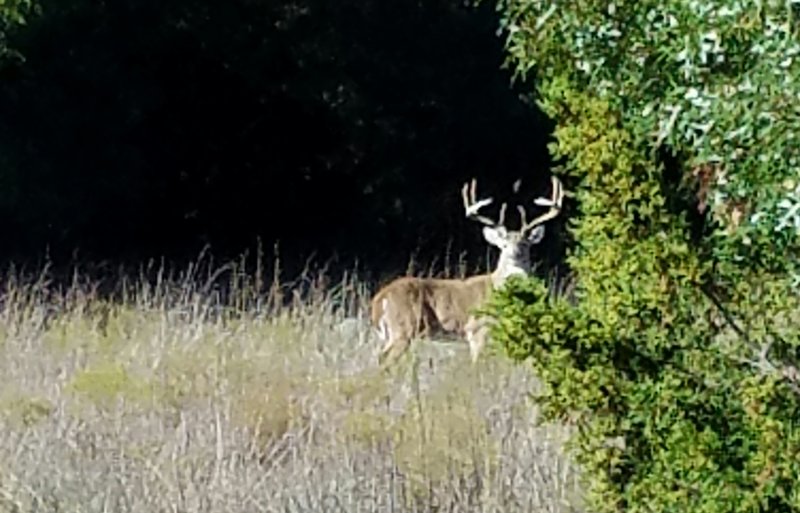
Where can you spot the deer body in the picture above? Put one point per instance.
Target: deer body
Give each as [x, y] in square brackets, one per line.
[426, 307]
[410, 307]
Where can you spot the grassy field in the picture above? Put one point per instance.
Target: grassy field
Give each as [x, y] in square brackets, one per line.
[195, 392]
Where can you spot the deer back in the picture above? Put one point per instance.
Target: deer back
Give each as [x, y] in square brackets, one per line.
[425, 305]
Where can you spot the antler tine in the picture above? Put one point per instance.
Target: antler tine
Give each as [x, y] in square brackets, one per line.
[472, 205]
[523, 216]
[554, 202]
[502, 219]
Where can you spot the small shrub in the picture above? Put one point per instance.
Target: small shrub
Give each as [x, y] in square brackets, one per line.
[269, 409]
[103, 384]
[368, 429]
[24, 410]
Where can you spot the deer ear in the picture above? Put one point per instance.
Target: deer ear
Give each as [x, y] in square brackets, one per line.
[495, 236]
[536, 235]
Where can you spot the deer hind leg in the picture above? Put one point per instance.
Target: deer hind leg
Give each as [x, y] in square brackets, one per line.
[477, 331]
[393, 350]
[382, 330]
[396, 336]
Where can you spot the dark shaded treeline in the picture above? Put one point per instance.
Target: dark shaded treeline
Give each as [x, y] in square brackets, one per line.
[139, 128]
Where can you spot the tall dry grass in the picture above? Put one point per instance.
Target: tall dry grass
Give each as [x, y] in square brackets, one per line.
[216, 389]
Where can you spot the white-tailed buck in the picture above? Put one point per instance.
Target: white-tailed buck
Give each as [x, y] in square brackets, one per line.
[410, 307]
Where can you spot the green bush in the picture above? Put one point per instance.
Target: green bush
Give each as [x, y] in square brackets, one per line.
[676, 357]
[644, 356]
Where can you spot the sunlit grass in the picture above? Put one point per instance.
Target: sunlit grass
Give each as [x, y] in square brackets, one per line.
[218, 390]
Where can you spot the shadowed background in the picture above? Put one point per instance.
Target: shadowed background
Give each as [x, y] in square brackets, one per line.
[133, 129]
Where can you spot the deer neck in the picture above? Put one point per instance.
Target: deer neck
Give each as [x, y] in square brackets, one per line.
[511, 264]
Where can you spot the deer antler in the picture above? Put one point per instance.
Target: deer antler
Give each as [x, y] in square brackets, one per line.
[554, 202]
[472, 205]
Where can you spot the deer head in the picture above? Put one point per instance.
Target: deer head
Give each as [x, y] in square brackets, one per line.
[514, 245]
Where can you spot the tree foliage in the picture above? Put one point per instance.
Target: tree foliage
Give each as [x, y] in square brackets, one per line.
[674, 126]
[716, 81]
[13, 13]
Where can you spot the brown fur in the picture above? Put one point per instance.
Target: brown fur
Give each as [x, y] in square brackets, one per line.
[426, 307]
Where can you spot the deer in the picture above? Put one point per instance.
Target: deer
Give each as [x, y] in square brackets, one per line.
[410, 307]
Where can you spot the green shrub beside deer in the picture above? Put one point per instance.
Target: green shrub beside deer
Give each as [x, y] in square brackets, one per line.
[676, 357]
